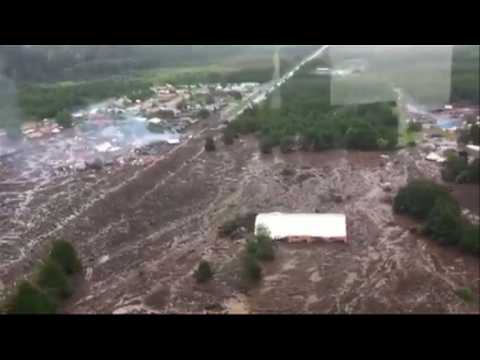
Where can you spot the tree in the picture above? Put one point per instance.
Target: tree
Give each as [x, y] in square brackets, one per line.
[64, 119]
[29, 299]
[362, 137]
[228, 137]
[204, 114]
[251, 268]
[418, 198]
[415, 126]
[444, 223]
[475, 134]
[53, 281]
[65, 255]
[266, 145]
[286, 144]
[210, 144]
[261, 246]
[470, 240]
[204, 272]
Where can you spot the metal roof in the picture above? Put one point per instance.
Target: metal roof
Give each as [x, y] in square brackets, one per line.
[282, 225]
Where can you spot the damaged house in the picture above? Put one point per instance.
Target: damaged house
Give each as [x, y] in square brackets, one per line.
[304, 227]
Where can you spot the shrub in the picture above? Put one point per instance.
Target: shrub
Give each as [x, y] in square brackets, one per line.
[251, 268]
[203, 114]
[382, 143]
[64, 119]
[266, 145]
[29, 299]
[444, 222]
[412, 143]
[418, 198]
[53, 281]
[453, 167]
[228, 137]
[361, 137]
[470, 240]
[204, 272]
[230, 228]
[210, 144]
[415, 127]
[65, 255]
[261, 246]
[466, 294]
[286, 144]
[473, 172]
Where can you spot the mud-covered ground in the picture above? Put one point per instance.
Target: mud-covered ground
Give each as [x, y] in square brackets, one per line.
[141, 231]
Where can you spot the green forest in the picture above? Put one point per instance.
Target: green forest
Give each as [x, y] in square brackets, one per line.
[307, 118]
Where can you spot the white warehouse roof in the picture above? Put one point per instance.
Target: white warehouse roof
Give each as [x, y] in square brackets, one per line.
[324, 226]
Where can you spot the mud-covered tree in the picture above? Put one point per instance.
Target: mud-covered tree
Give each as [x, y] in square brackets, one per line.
[228, 137]
[65, 255]
[261, 246]
[252, 271]
[210, 144]
[418, 198]
[64, 119]
[203, 114]
[266, 145]
[29, 299]
[471, 238]
[52, 279]
[204, 272]
[444, 223]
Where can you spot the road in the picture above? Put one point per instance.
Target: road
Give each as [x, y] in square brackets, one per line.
[264, 90]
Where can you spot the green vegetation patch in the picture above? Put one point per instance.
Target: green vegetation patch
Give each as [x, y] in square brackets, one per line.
[444, 223]
[204, 272]
[29, 299]
[49, 285]
[65, 255]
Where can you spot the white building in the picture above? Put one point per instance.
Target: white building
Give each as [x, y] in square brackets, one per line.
[303, 227]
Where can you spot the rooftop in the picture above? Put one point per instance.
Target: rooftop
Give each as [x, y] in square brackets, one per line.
[326, 226]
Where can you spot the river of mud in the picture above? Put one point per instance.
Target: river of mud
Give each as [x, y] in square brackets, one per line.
[142, 228]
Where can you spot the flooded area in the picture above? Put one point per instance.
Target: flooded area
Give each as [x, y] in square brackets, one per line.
[131, 186]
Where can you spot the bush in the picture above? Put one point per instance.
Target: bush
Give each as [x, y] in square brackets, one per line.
[362, 137]
[286, 144]
[65, 255]
[230, 228]
[64, 119]
[210, 144]
[466, 294]
[472, 173]
[29, 299]
[53, 281]
[444, 222]
[204, 272]
[415, 127]
[261, 246]
[470, 240]
[418, 198]
[456, 169]
[251, 268]
[453, 167]
[266, 145]
[203, 114]
[228, 137]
